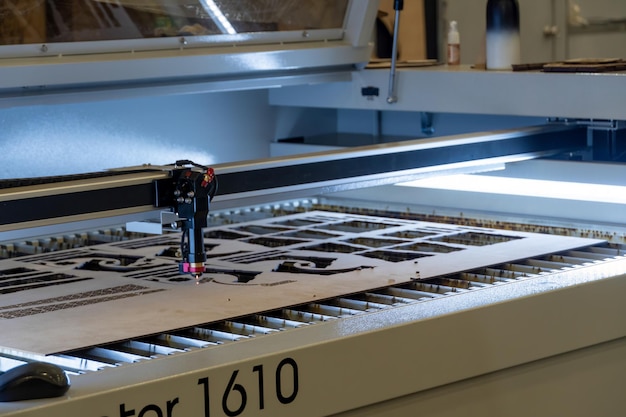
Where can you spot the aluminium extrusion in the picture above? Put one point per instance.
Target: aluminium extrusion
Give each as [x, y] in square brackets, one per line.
[275, 179]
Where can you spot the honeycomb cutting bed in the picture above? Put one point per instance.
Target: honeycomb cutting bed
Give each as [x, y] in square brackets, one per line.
[71, 299]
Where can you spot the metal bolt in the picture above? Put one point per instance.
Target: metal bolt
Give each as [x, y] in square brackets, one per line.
[183, 40]
[305, 34]
[44, 48]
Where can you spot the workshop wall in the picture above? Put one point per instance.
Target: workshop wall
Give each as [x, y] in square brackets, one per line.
[537, 18]
[86, 137]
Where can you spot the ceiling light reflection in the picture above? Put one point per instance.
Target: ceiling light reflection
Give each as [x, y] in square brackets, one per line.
[525, 187]
[218, 17]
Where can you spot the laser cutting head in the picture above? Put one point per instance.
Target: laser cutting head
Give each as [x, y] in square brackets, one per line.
[189, 192]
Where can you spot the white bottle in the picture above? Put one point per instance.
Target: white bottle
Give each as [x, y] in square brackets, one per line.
[503, 34]
[454, 44]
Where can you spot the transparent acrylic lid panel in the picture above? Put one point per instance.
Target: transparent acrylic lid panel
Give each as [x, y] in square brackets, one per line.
[55, 21]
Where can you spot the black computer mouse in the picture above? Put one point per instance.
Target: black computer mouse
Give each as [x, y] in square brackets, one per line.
[32, 381]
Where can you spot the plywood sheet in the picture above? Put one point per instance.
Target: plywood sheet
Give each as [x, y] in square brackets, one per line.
[70, 299]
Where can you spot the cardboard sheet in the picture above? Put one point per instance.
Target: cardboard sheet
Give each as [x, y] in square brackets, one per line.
[412, 36]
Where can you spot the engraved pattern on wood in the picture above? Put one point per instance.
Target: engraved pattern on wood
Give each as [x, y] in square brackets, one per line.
[75, 296]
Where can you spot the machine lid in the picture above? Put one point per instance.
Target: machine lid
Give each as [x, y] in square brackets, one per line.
[55, 44]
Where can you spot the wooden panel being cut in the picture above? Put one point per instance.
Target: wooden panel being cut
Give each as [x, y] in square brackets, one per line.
[71, 299]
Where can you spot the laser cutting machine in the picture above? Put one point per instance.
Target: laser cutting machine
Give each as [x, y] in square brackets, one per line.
[450, 252]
